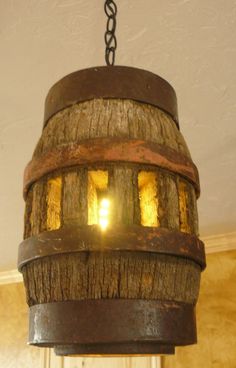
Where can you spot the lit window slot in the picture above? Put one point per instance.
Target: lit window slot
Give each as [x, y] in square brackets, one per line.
[54, 186]
[183, 207]
[98, 203]
[147, 182]
[103, 213]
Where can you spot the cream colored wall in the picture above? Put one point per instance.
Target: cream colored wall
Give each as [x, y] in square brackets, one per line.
[14, 353]
[216, 317]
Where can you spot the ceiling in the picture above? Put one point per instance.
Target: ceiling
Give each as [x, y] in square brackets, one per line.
[190, 43]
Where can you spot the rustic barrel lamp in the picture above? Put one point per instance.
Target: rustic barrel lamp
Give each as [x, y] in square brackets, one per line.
[111, 258]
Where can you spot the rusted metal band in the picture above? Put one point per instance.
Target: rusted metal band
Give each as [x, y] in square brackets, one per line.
[106, 321]
[102, 150]
[114, 350]
[116, 238]
[120, 82]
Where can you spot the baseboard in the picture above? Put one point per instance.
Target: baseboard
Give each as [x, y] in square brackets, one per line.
[220, 243]
[10, 277]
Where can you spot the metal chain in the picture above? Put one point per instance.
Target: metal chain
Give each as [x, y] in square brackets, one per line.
[110, 38]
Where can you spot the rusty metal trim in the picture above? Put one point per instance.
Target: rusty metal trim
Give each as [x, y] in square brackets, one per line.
[119, 82]
[99, 150]
[86, 238]
[116, 321]
[114, 350]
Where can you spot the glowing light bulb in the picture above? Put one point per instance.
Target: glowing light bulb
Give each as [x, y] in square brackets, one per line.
[103, 213]
[103, 223]
[105, 203]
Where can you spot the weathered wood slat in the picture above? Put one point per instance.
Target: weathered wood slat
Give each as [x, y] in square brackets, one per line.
[74, 197]
[110, 118]
[112, 275]
[123, 188]
[168, 201]
[28, 210]
[38, 217]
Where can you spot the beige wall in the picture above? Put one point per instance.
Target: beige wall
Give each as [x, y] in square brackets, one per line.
[216, 317]
[14, 353]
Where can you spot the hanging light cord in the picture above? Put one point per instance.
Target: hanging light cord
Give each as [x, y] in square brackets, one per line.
[110, 38]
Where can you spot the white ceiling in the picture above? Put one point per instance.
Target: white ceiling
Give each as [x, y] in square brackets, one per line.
[191, 43]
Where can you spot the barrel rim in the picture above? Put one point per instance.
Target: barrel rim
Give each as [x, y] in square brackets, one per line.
[104, 321]
[113, 82]
[73, 239]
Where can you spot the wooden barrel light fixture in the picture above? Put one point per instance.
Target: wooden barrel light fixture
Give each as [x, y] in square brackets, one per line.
[111, 257]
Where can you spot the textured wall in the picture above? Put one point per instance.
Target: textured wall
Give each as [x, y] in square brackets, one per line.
[216, 314]
[14, 353]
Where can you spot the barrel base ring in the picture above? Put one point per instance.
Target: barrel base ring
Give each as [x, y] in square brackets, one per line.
[130, 349]
[112, 326]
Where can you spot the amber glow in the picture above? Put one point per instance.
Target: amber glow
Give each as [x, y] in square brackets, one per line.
[98, 203]
[54, 203]
[147, 182]
[104, 213]
[183, 212]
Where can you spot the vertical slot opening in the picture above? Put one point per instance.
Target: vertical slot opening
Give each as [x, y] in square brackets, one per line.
[183, 207]
[54, 186]
[147, 183]
[98, 199]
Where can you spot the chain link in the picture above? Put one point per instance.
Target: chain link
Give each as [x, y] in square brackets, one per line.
[110, 38]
